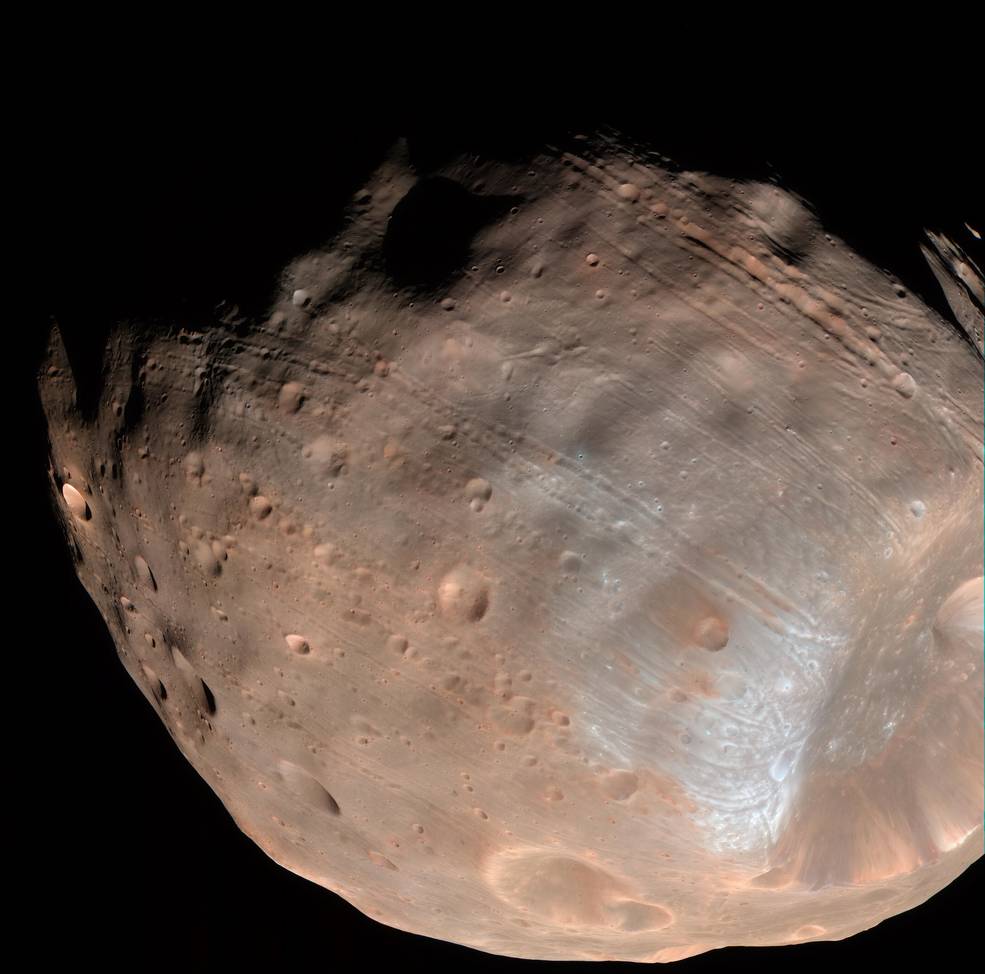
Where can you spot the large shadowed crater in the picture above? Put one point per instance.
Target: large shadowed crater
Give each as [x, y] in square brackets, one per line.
[430, 232]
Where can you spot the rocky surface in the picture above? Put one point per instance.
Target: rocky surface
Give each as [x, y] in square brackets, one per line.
[583, 560]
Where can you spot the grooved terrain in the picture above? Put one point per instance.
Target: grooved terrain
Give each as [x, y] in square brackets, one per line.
[582, 560]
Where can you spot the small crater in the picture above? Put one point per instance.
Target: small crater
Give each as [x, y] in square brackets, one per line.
[381, 860]
[76, 502]
[144, 574]
[619, 785]
[206, 559]
[328, 455]
[569, 562]
[194, 467]
[463, 595]
[396, 645]
[297, 644]
[291, 397]
[905, 385]
[260, 507]
[632, 916]
[209, 696]
[308, 788]
[711, 633]
[478, 492]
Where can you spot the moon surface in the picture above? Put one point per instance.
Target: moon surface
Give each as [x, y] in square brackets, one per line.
[582, 560]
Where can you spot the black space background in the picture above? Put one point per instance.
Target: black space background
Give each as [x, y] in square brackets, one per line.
[133, 859]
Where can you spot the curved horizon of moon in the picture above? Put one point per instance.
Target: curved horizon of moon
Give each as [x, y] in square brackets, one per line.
[583, 560]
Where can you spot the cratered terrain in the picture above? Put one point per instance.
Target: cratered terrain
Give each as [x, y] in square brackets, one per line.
[582, 560]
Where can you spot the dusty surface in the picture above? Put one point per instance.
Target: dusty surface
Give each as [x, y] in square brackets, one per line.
[583, 561]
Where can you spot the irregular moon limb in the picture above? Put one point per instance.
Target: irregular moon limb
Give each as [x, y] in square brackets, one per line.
[583, 560]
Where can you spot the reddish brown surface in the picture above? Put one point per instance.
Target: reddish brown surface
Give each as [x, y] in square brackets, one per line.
[621, 599]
